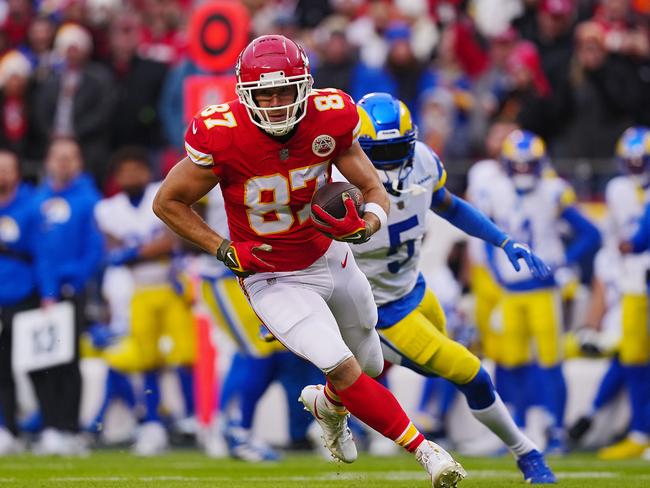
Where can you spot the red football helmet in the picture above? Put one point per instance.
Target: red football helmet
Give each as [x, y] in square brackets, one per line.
[271, 61]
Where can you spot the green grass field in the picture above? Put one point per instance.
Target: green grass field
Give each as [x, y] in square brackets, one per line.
[178, 469]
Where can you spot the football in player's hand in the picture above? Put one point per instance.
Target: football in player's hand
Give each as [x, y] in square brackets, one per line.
[330, 198]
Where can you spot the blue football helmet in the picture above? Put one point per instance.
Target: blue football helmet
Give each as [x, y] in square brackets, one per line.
[523, 155]
[633, 151]
[387, 136]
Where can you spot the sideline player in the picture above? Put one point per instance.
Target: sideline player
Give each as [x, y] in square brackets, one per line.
[411, 321]
[269, 150]
[626, 196]
[535, 208]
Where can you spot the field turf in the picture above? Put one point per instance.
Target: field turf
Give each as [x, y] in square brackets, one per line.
[184, 468]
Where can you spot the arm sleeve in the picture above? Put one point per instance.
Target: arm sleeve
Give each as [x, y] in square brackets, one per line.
[641, 240]
[587, 236]
[467, 218]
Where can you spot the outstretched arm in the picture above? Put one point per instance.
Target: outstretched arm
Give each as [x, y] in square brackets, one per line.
[587, 236]
[470, 220]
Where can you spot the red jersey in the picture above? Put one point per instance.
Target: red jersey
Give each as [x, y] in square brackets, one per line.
[268, 182]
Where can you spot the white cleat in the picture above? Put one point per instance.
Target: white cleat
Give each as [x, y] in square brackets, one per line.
[336, 434]
[445, 472]
[151, 440]
[10, 444]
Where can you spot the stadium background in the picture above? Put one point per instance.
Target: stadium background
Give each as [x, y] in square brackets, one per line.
[459, 65]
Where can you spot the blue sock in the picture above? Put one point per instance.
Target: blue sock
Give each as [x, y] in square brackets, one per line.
[534, 392]
[612, 383]
[294, 373]
[479, 392]
[430, 390]
[509, 383]
[232, 383]
[186, 380]
[554, 387]
[151, 397]
[447, 397]
[637, 381]
[259, 375]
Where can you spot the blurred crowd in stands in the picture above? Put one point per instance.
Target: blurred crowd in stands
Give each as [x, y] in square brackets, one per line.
[106, 72]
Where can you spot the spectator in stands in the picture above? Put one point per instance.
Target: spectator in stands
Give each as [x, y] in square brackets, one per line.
[18, 286]
[490, 88]
[338, 61]
[403, 76]
[138, 84]
[17, 21]
[14, 102]
[605, 92]
[70, 249]
[162, 37]
[77, 102]
[527, 101]
[39, 47]
[623, 33]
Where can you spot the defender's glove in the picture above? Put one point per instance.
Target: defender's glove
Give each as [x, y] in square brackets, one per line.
[516, 250]
[240, 257]
[350, 228]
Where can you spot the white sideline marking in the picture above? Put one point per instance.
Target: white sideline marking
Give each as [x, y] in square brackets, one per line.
[354, 476]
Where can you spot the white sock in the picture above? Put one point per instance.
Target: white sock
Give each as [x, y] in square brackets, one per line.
[497, 418]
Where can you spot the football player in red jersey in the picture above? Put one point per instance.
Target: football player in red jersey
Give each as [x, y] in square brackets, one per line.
[270, 150]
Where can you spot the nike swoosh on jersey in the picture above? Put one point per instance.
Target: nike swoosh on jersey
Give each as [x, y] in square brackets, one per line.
[345, 261]
[194, 127]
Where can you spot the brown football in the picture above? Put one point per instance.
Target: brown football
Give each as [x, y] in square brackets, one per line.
[330, 198]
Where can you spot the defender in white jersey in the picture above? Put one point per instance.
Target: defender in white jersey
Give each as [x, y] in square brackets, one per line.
[411, 322]
[140, 242]
[626, 197]
[534, 207]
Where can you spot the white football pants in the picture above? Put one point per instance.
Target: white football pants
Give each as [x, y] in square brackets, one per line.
[324, 313]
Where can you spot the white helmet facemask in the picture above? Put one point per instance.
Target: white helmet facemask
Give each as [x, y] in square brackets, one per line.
[295, 111]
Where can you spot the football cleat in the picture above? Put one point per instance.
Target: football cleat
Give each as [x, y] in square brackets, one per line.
[444, 471]
[242, 445]
[628, 448]
[151, 440]
[336, 433]
[534, 468]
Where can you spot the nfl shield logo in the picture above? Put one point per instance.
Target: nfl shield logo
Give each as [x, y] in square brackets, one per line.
[284, 154]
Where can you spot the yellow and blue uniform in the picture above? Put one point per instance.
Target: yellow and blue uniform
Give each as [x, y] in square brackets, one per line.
[485, 290]
[533, 207]
[411, 322]
[627, 202]
[156, 308]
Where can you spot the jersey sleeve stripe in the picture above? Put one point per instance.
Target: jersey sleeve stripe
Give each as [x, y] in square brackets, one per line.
[441, 181]
[198, 157]
[442, 172]
[356, 131]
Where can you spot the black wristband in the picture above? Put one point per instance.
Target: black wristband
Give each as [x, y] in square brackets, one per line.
[221, 252]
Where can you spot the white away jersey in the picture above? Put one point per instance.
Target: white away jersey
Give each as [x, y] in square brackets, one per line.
[626, 200]
[481, 180]
[390, 258]
[134, 226]
[532, 218]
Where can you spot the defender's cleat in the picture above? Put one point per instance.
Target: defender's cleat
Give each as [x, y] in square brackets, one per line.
[534, 468]
[444, 471]
[336, 434]
[628, 448]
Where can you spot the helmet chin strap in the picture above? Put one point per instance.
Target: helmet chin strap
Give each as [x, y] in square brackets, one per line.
[413, 189]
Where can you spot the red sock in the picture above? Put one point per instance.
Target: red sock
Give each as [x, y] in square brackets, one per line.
[373, 404]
